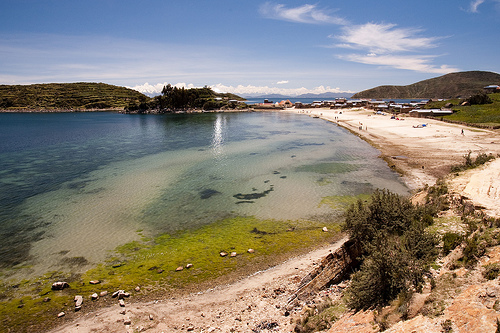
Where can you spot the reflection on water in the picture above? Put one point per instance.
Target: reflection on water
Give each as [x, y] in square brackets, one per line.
[218, 136]
[96, 179]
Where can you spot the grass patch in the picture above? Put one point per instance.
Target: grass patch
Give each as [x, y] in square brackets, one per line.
[486, 114]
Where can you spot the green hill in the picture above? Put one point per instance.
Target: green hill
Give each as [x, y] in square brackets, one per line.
[67, 96]
[453, 85]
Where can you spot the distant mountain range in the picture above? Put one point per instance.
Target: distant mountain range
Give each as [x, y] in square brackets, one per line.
[314, 96]
[453, 85]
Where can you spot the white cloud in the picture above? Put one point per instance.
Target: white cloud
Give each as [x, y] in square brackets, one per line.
[302, 14]
[282, 82]
[384, 38]
[388, 45]
[155, 89]
[262, 90]
[409, 62]
[474, 5]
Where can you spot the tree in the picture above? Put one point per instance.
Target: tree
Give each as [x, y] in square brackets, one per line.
[395, 246]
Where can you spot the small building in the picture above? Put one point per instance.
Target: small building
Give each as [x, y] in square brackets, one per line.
[422, 113]
[286, 104]
[492, 89]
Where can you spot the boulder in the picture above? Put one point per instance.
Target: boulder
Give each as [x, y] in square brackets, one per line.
[189, 265]
[60, 285]
[61, 314]
[251, 251]
[137, 289]
[223, 254]
[325, 229]
[120, 294]
[122, 303]
[103, 293]
[95, 282]
[78, 301]
[94, 296]
[234, 254]
[178, 269]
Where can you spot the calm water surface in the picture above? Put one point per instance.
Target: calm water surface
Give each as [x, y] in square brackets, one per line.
[80, 184]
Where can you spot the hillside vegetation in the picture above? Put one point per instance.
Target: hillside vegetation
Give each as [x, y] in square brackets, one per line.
[453, 85]
[67, 96]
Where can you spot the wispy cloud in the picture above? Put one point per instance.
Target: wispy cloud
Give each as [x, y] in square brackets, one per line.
[422, 63]
[384, 38]
[474, 5]
[381, 43]
[303, 14]
[386, 44]
[282, 82]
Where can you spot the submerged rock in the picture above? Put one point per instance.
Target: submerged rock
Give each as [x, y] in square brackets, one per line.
[253, 196]
[205, 194]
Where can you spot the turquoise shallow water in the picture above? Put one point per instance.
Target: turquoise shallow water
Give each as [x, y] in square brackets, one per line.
[80, 184]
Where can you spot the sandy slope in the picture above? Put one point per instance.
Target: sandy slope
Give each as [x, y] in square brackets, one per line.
[258, 302]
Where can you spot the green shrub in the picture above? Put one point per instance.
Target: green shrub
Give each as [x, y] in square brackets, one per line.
[491, 271]
[469, 163]
[396, 249]
[472, 251]
[450, 241]
[479, 99]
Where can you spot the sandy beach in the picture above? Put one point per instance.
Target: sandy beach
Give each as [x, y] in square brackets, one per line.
[258, 303]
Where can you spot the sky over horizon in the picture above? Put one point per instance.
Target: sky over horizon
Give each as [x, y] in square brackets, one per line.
[246, 47]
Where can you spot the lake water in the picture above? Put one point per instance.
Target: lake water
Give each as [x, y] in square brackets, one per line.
[81, 184]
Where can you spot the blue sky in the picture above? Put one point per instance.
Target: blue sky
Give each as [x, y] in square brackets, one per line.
[246, 47]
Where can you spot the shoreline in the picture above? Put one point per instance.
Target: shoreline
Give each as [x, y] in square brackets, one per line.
[421, 154]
